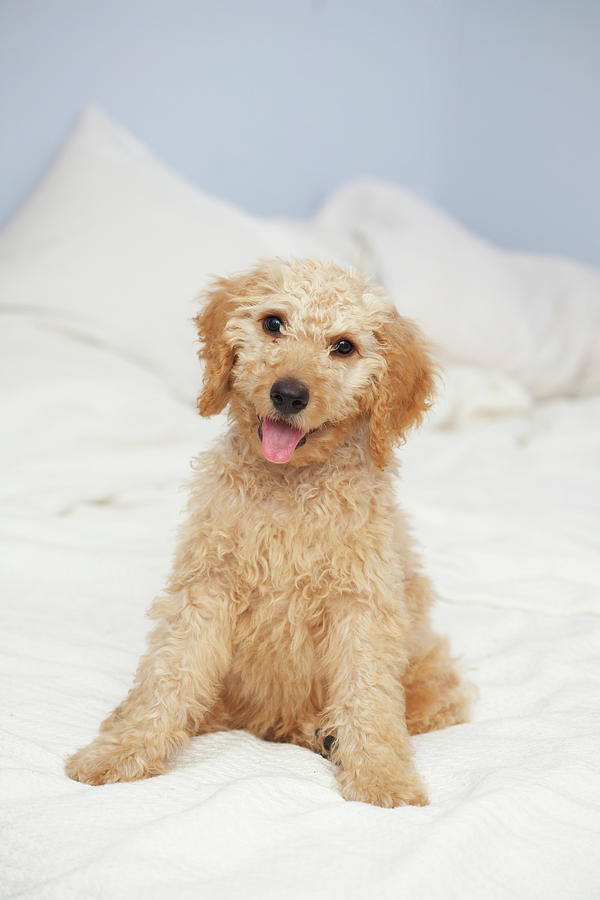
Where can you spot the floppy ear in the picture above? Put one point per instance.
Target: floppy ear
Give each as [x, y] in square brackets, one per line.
[216, 353]
[404, 391]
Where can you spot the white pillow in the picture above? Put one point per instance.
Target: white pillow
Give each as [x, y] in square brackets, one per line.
[114, 247]
[535, 319]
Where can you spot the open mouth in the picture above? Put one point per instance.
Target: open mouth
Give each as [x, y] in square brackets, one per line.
[279, 440]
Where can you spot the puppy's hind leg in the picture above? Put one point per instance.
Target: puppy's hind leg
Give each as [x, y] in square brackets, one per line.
[436, 693]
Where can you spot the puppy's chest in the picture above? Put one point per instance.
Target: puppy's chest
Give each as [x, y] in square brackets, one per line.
[286, 543]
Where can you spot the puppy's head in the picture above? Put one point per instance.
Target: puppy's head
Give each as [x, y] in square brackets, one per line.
[306, 353]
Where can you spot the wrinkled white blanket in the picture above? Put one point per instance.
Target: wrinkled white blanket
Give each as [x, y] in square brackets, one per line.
[507, 508]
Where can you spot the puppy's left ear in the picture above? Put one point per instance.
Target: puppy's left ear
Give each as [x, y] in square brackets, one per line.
[219, 301]
[404, 391]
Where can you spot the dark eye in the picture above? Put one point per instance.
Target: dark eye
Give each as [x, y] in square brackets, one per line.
[343, 348]
[273, 325]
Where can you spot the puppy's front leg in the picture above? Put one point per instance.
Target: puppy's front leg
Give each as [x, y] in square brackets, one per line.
[176, 684]
[365, 712]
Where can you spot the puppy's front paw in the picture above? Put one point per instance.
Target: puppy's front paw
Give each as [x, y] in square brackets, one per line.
[107, 760]
[379, 789]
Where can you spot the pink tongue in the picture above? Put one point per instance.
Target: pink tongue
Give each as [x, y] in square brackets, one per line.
[279, 440]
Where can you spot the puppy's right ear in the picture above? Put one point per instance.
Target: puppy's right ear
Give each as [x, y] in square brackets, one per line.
[219, 301]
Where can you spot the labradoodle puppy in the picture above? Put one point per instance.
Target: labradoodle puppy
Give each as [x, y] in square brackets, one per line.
[296, 608]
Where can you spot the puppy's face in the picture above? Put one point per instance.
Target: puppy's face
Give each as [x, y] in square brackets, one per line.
[307, 353]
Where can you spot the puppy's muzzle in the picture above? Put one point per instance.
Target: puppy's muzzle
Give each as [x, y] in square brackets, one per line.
[289, 396]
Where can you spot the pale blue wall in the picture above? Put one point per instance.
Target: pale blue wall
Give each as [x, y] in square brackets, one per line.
[489, 107]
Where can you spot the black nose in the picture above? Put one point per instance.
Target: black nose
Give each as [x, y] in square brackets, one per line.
[289, 396]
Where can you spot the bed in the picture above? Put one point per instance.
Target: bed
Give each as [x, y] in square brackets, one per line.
[98, 274]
